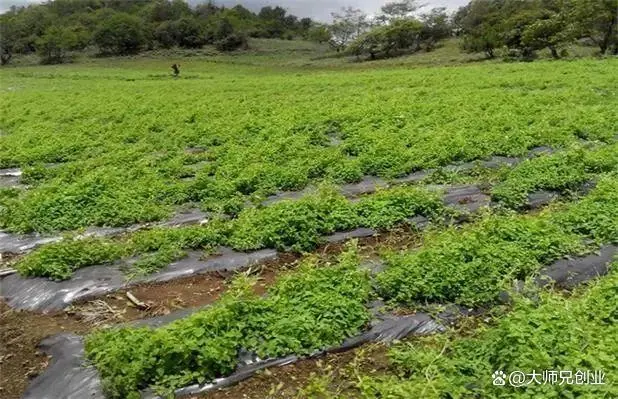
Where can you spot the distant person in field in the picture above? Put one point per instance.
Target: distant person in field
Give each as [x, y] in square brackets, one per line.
[176, 69]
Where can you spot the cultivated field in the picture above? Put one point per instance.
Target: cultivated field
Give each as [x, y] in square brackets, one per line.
[282, 158]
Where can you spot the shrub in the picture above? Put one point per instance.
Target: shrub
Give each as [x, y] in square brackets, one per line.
[120, 34]
[232, 42]
[56, 42]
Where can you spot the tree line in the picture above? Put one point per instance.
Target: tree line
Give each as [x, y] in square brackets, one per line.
[515, 28]
[121, 27]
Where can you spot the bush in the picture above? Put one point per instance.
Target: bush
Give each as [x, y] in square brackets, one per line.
[54, 45]
[232, 42]
[389, 40]
[121, 34]
[185, 32]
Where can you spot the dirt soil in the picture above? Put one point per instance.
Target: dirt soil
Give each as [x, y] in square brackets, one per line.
[334, 372]
[20, 334]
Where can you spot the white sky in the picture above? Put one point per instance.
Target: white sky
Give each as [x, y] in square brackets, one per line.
[317, 9]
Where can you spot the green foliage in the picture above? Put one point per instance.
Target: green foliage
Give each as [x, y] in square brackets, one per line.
[127, 27]
[102, 198]
[122, 151]
[120, 34]
[299, 225]
[185, 32]
[59, 260]
[316, 307]
[231, 42]
[288, 225]
[319, 305]
[596, 20]
[560, 172]
[522, 27]
[296, 225]
[552, 333]
[57, 41]
[479, 22]
[389, 208]
[311, 309]
[201, 347]
[596, 215]
[472, 265]
[318, 33]
[152, 262]
[389, 40]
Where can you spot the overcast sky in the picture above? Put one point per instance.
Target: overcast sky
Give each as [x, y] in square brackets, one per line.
[317, 9]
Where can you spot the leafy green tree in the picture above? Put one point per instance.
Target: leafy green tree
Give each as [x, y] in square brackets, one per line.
[57, 41]
[206, 10]
[28, 24]
[319, 34]
[370, 43]
[189, 33]
[347, 25]
[165, 34]
[550, 31]
[596, 20]
[165, 10]
[479, 22]
[8, 39]
[436, 27]
[399, 36]
[400, 9]
[121, 34]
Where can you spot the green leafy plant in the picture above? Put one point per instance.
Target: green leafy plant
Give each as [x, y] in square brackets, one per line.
[306, 310]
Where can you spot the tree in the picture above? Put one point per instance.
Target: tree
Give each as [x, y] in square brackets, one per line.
[121, 34]
[165, 10]
[400, 9]
[550, 32]
[319, 34]
[273, 22]
[8, 38]
[401, 35]
[206, 10]
[28, 24]
[346, 26]
[596, 20]
[479, 22]
[436, 26]
[165, 34]
[57, 41]
[189, 33]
